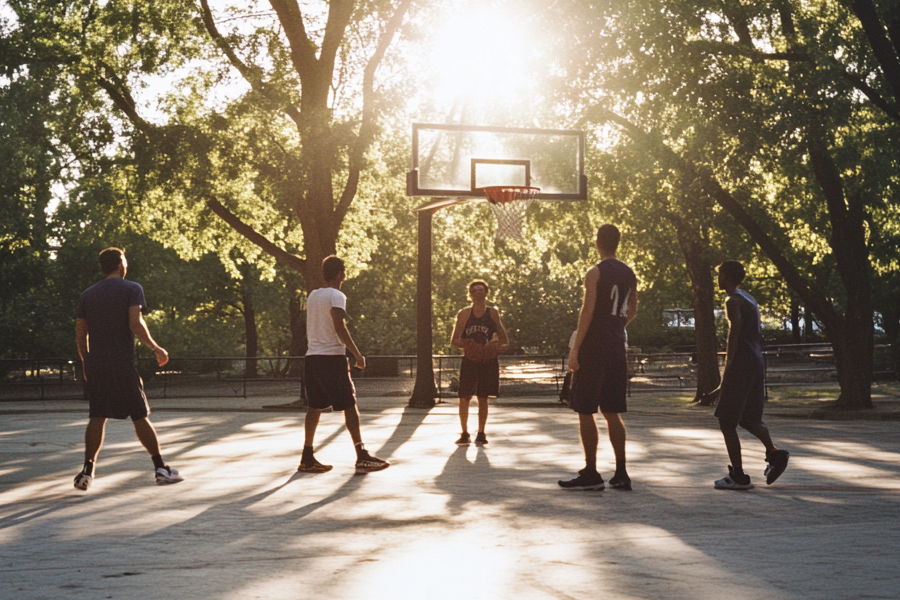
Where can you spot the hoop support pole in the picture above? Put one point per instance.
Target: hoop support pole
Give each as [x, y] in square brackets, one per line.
[424, 391]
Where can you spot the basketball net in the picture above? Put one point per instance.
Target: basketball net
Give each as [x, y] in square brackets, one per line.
[509, 203]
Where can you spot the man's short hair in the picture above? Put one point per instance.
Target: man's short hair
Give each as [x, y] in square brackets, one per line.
[608, 237]
[487, 288]
[733, 270]
[110, 259]
[332, 266]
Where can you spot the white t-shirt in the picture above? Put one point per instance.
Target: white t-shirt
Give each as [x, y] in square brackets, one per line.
[320, 333]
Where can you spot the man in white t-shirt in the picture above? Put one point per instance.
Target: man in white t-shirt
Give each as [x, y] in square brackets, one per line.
[327, 370]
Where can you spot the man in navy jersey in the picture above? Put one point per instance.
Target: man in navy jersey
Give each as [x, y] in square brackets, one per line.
[110, 315]
[742, 392]
[598, 360]
[479, 332]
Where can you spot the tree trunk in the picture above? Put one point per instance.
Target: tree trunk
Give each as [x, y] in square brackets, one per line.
[854, 347]
[892, 329]
[808, 332]
[796, 336]
[251, 337]
[694, 247]
[298, 332]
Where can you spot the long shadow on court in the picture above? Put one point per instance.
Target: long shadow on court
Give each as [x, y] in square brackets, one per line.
[673, 530]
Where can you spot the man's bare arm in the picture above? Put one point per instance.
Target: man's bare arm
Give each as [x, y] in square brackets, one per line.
[733, 312]
[139, 328]
[81, 341]
[632, 306]
[503, 340]
[338, 317]
[591, 278]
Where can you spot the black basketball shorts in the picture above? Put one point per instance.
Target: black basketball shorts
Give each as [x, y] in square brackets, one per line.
[114, 389]
[480, 379]
[601, 382]
[328, 382]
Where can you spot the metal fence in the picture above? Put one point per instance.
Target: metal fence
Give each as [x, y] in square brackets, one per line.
[523, 375]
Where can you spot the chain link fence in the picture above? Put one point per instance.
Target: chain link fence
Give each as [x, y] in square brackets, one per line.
[385, 376]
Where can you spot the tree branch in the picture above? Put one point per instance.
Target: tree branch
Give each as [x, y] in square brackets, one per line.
[881, 46]
[737, 16]
[367, 126]
[257, 238]
[813, 297]
[339, 14]
[874, 97]
[303, 51]
[732, 50]
[252, 74]
[125, 103]
[799, 56]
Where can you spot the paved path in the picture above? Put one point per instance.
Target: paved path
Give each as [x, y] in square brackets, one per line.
[445, 522]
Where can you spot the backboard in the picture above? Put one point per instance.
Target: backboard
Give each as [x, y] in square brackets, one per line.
[459, 160]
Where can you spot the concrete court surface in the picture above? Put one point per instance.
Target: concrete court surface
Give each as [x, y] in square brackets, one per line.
[445, 521]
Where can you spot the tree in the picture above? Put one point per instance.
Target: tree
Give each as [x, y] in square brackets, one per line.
[748, 102]
[330, 149]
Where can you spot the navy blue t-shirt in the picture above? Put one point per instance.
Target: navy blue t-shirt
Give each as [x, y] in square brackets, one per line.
[616, 286]
[105, 307]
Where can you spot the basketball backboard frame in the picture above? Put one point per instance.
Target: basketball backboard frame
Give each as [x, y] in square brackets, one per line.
[495, 166]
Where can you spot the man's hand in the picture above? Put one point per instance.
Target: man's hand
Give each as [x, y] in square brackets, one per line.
[473, 350]
[360, 362]
[491, 350]
[710, 398]
[162, 357]
[573, 361]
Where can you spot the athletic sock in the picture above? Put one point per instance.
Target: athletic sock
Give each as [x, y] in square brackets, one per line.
[158, 462]
[88, 468]
[360, 451]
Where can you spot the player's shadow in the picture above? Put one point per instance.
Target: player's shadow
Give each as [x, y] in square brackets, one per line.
[459, 475]
[410, 421]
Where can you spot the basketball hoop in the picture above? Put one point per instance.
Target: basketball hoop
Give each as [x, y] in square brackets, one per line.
[509, 204]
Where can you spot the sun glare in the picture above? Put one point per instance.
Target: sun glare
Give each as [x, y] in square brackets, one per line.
[481, 55]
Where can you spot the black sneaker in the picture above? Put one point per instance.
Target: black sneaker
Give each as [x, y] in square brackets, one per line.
[83, 481]
[586, 480]
[620, 482]
[463, 440]
[368, 463]
[778, 461]
[480, 439]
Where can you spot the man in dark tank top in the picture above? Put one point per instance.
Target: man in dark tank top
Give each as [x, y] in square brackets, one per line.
[599, 362]
[741, 395]
[479, 332]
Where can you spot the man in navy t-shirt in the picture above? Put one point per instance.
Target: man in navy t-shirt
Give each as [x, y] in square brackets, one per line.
[598, 360]
[110, 314]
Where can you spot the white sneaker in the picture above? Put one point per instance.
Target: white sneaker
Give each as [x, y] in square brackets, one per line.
[83, 481]
[166, 475]
[731, 481]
